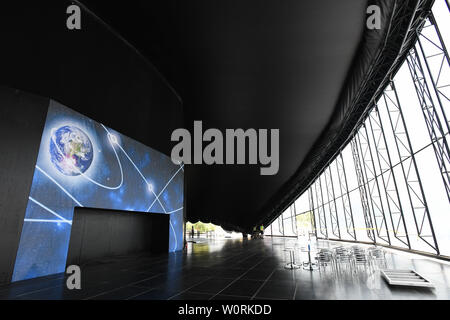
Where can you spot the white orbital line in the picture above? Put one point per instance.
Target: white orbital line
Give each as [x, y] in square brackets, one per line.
[173, 229]
[50, 210]
[175, 235]
[61, 187]
[176, 210]
[143, 177]
[167, 184]
[140, 173]
[176, 240]
[148, 184]
[121, 183]
[118, 161]
[157, 198]
[134, 165]
[181, 164]
[45, 220]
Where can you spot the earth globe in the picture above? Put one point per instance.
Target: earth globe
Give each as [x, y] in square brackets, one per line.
[71, 150]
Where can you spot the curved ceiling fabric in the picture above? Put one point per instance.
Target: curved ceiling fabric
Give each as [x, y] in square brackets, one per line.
[379, 57]
[309, 68]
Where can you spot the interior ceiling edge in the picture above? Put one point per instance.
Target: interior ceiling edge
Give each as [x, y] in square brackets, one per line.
[129, 45]
[369, 75]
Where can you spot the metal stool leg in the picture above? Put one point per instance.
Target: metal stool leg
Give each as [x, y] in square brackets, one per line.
[291, 264]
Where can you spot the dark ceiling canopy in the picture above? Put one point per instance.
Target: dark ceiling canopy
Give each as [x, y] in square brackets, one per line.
[308, 68]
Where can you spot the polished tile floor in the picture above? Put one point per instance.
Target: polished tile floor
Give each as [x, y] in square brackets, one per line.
[233, 269]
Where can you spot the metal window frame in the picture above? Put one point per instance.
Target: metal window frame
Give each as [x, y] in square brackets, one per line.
[362, 190]
[411, 176]
[435, 118]
[312, 213]
[372, 185]
[320, 209]
[388, 178]
[374, 159]
[294, 220]
[345, 196]
[334, 219]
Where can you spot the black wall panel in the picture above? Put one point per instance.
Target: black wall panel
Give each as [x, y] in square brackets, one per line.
[91, 70]
[22, 119]
[98, 234]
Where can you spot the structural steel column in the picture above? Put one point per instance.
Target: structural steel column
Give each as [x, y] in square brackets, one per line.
[362, 190]
[373, 186]
[293, 219]
[332, 203]
[282, 223]
[320, 210]
[311, 212]
[345, 196]
[394, 204]
[418, 202]
[435, 57]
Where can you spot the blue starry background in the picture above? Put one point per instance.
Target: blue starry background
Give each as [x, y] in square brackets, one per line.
[130, 179]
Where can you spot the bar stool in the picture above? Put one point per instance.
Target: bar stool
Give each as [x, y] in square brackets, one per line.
[291, 264]
[325, 258]
[377, 258]
[309, 265]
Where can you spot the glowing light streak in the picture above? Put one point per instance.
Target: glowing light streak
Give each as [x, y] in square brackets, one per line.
[50, 210]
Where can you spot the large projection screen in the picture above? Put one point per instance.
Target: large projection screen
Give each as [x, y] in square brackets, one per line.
[82, 163]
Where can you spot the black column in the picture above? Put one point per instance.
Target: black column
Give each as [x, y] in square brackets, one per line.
[22, 119]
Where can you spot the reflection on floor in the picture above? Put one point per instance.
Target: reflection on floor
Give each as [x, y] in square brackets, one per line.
[233, 269]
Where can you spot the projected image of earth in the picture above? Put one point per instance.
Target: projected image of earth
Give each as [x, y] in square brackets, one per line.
[71, 150]
[83, 163]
